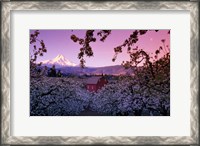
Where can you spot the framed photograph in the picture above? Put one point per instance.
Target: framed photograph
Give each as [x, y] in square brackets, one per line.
[112, 82]
[105, 72]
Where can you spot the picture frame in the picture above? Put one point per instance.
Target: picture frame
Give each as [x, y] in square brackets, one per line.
[6, 82]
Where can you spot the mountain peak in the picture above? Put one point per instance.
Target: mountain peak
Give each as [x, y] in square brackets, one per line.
[59, 61]
[59, 57]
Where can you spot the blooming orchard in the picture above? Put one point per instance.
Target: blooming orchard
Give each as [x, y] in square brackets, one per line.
[67, 96]
[57, 97]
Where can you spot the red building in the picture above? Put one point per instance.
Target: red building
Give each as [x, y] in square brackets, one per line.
[95, 83]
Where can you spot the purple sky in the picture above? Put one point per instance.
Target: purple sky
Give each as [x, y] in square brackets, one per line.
[59, 42]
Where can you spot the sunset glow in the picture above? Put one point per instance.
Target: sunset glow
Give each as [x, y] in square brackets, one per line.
[59, 42]
[100, 72]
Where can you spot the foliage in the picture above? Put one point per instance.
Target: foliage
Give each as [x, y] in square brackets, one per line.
[37, 51]
[150, 71]
[85, 43]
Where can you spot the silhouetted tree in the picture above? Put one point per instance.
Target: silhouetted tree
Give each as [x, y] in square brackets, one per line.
[153, 72]
[36, 51]
[59, 74]
[52, 72]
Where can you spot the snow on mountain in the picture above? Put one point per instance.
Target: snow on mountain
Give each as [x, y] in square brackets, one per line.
[58, 61]
[68, 67]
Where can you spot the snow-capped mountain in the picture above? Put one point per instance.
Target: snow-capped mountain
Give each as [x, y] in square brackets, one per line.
[68, 67]
[58, 61]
